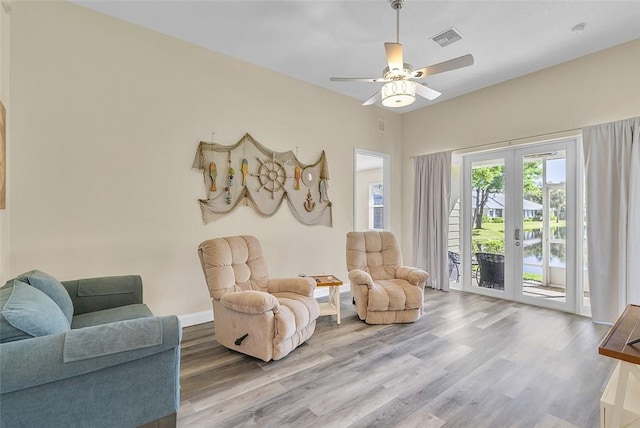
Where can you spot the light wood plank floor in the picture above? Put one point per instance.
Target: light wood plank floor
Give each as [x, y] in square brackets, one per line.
[471, 361]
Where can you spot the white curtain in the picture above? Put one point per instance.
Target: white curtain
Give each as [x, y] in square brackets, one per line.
[432, 188]
[612, 174]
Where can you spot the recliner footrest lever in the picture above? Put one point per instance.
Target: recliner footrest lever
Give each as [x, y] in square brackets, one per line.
[240, 339]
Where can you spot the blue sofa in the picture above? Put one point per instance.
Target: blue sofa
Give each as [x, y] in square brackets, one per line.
[85, 353]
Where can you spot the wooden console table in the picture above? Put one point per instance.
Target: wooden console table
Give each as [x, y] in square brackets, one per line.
[622, 395]
[332, 307]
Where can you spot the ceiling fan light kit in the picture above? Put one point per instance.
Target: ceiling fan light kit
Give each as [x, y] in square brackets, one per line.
[398, 93]
[399, 89]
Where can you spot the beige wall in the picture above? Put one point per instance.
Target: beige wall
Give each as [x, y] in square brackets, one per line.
[106, 120]
[5, 22]
[597, 88]
[363, 179]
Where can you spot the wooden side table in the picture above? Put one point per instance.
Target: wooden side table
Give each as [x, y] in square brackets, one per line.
[620, 402]
[332, 307]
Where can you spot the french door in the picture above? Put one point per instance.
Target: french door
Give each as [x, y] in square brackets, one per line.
[520, 225]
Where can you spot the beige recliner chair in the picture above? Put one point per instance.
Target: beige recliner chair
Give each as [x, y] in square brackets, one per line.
[262, 317]
[384, 291]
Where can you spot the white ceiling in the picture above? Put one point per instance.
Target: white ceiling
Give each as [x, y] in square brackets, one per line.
[313, 40]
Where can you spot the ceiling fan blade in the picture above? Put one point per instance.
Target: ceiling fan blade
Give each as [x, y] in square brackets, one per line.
[358, 79]
[426, 92]
[452, 64]
[372, 100]
[394, 55]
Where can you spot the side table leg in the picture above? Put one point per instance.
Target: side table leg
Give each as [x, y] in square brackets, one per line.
[337, 300]
[334, 298]
[621, 391]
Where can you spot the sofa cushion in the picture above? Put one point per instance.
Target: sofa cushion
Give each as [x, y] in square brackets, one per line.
[106, 286]
[52, 288]
[27, 312]
[121, 313]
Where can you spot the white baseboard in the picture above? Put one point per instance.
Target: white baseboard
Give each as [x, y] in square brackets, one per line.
[207, 316]
[196, 318]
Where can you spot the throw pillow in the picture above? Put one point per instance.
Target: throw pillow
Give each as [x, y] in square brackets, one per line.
[52, 288]
[27, 312]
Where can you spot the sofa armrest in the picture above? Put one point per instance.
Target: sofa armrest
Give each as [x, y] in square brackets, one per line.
[303, 286]
[250, 302]
[415, 276]
[32, 362]
[97, 294]
[360, 277]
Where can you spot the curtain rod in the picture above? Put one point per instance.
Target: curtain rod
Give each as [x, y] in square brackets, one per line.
[507, 143]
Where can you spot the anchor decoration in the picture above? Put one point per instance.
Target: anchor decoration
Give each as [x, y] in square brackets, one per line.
[309, 205]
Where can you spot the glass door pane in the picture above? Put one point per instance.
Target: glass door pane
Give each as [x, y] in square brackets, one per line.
[543, 225]
[488, 206]
[544, 209]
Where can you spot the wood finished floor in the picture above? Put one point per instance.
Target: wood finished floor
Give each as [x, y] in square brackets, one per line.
[470, 361]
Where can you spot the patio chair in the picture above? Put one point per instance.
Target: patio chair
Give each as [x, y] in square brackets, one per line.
[490, 273]
[454, 265]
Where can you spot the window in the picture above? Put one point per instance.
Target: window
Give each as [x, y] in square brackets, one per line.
[376, 206]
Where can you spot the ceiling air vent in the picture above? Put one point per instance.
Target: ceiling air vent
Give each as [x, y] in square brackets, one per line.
[447, 37]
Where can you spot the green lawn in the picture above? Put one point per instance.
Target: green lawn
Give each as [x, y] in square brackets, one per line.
[496, 230]
[491, 236]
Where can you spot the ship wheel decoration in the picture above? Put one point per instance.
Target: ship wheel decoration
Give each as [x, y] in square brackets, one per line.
[271, 175]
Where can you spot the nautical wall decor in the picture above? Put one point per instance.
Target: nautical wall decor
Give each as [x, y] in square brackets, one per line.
[266, 179]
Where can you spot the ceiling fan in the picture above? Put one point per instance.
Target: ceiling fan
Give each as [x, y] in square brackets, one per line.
[399, 89]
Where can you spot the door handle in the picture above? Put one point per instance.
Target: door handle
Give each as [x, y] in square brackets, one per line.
[516, 237]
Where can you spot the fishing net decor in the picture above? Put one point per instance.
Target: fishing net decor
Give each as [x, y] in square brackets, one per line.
[249, 174]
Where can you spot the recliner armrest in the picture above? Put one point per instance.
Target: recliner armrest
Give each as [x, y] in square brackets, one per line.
[40, 360]
[97, 294]
[415, 276]
[360, 277]
[303, 286]
[250, 302]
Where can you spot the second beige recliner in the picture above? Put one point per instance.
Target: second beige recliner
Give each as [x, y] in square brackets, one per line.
[384, 291]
